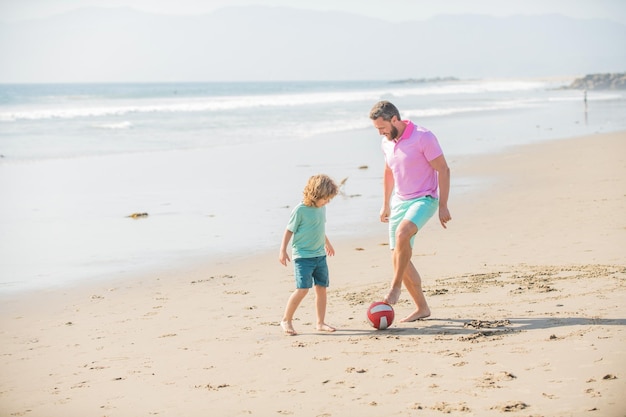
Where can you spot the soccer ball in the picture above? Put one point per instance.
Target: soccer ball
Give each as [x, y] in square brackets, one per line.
[380, 315]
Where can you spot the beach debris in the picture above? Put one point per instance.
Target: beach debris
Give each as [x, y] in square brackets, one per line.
[449, 408]
[511, 406]
[226, 276]
[481, 324]
[484, 334]
[490, 380]
[342, 183]
[137, 215]
[213, 387]
[363, 167]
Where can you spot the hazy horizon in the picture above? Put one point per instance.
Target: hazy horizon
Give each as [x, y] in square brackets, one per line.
[263, 43]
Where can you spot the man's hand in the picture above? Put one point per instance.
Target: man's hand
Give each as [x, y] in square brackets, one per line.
[385, 212]
[444, 216]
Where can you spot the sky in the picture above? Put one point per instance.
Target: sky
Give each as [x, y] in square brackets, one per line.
[87, 47]
[391, 10]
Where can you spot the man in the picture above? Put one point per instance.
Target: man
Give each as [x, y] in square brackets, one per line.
[416, 167]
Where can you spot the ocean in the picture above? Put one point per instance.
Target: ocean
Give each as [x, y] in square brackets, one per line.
[217, 167]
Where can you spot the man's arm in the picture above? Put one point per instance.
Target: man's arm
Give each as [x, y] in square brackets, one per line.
[440, 165]
[388, 184]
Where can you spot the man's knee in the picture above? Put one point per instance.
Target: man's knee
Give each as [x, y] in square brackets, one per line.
[406, 230]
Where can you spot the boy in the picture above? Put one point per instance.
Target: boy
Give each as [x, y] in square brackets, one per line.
[309, 249]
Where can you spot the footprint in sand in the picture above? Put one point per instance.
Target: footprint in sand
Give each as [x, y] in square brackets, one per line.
[511, 406]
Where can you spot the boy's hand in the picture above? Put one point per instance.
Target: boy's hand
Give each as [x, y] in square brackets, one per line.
[283, 258]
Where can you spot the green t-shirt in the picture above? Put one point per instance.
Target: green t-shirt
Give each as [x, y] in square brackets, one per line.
[309, 237]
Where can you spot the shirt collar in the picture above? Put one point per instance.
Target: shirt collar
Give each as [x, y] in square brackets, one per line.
[408, 130]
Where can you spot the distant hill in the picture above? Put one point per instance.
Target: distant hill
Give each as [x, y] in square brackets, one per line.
[425, 80]
[280, 43]
[599, 82]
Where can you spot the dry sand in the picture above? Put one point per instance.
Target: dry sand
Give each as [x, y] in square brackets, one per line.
[526, 287]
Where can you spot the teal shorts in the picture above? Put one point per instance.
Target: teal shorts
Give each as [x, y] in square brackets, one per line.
[309, 271]
[418, 211]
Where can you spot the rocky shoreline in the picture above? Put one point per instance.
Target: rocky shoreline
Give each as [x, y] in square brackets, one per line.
[605, 81]
[615, 81]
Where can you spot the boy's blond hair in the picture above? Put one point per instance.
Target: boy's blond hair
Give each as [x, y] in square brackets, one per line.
[320, 186]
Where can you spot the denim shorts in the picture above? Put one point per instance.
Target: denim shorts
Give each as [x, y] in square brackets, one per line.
[309, 271]
[418, 211]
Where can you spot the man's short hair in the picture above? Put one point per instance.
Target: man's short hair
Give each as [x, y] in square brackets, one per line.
[384, 109]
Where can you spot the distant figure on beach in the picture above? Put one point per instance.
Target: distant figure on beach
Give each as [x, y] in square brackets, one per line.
[415, 167]
[585, 100]
[307, 225]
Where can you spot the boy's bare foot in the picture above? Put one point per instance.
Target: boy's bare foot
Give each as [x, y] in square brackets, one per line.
[325, 328]
[288, 328]
[416, 315]
[393, 296]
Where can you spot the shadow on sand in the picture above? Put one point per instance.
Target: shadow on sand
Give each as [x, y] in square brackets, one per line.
[441, 326]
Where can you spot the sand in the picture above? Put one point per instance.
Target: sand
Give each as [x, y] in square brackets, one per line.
[526, 288]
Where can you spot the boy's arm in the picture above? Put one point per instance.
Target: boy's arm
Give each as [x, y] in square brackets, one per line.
[330, 251]
[283, 257]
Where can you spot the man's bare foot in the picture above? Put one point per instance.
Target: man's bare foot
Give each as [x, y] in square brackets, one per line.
[393, 296]
[288, 328]
[325, 328]
[416, 315]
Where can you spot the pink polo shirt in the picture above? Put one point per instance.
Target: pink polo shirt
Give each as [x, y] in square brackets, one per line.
[409, 157]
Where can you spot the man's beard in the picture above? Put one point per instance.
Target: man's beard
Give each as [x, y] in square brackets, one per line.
[393, 135]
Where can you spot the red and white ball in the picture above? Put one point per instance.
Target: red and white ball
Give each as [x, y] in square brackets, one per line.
[380, 315]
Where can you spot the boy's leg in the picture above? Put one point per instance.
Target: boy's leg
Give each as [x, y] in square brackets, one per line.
[303, 269]
[292, 305]
[320, 309]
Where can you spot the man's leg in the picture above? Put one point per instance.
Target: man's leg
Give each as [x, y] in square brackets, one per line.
[401, 257]
[413, 283]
